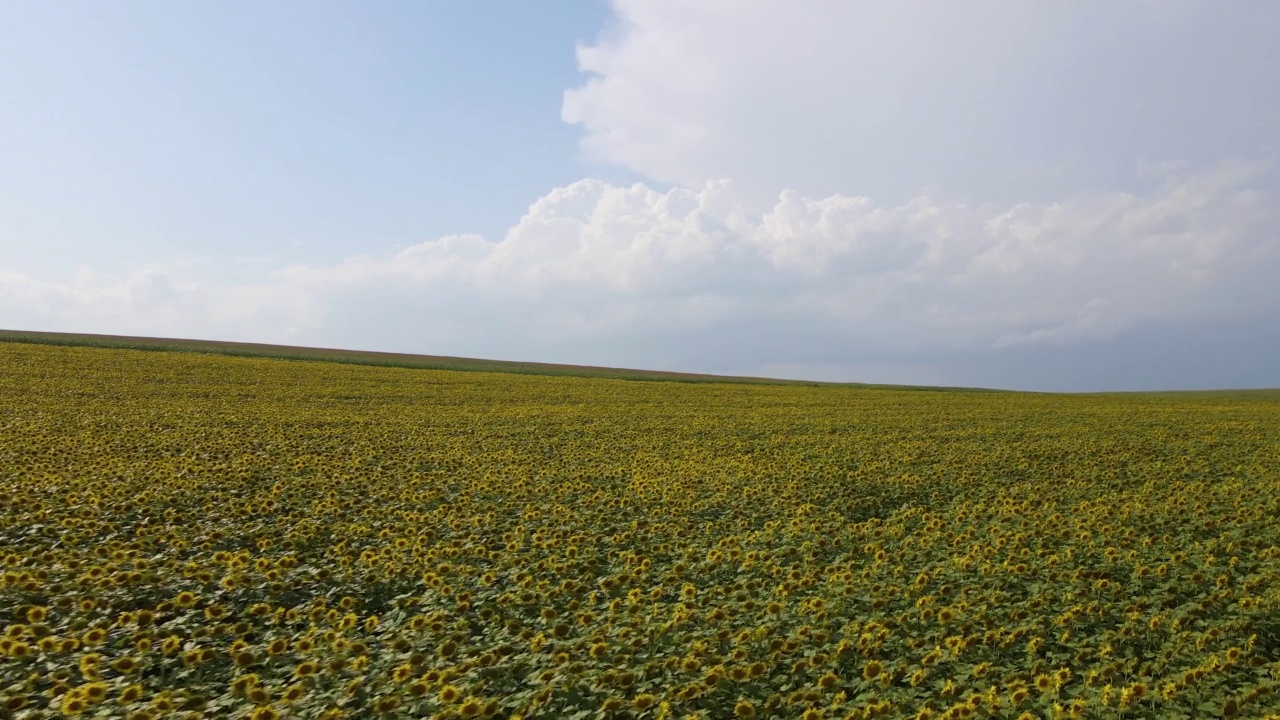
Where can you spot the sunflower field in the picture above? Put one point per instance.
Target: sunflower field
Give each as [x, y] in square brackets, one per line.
[200, 536]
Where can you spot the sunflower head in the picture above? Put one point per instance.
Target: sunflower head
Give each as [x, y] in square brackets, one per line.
[130, 694]
[449, 694]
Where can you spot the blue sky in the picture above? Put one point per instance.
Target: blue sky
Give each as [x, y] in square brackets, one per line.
[287, 130]
[1040, 195]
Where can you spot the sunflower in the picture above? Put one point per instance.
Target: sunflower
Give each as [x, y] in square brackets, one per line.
[73, 704]
[130, 694]
[449, 694]
[90, 662]
[1134, 693]
[689, 692]
[353, 686]
[94, 692]
[471, 707]
[241, 684]
[258, 695]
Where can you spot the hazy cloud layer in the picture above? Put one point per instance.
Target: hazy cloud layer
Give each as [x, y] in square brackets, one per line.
[839, 287]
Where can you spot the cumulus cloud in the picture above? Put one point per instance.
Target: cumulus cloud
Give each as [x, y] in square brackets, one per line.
[1003, 100]
[692, 279]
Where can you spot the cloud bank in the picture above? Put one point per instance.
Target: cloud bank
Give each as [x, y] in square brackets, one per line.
[1002, 100]
[693, 279]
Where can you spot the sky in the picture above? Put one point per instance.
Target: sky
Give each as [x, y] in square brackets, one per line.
[1060, 196]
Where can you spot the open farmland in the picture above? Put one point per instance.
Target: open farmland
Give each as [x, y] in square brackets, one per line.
[251, 537]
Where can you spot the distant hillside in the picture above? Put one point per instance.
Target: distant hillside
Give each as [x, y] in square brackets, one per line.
[406, 360]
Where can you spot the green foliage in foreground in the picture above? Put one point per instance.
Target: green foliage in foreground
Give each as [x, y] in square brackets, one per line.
[194, 535]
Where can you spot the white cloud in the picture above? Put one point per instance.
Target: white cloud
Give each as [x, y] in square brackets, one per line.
[1000, 99]
[632, 276]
